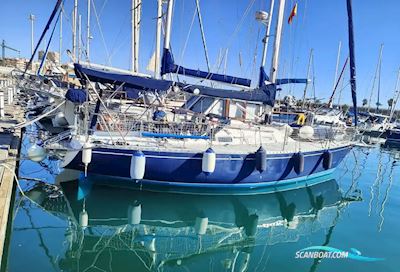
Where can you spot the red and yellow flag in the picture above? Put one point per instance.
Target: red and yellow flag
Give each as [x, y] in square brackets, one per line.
[292, 14]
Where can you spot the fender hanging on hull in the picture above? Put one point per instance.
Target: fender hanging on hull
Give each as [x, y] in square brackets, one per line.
[180, 167]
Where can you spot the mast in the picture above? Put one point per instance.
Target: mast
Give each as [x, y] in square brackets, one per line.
[138, 19]
[308, 76]
[375, 76]
[79, 37]
[167, 38]
[379, 79]
[61, 36]
[158, 39]
[337, 65]
[53, 14]
[396, 97]
[226, 60]
[202, 35]
[352, 60]
[32, 19]
[277, 42]
[135, 22]
[88, 30]
[330, 101]
[267, 31]
[74, 28]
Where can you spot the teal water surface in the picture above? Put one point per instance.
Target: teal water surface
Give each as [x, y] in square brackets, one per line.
[87, 225]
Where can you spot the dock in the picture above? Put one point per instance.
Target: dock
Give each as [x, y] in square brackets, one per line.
[10, 114]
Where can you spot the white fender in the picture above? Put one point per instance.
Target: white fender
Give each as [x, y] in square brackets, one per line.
[208, 161]
[138, 165]
[134, 214]
[83, 219]
[201, 225]
[60, 120]
[86, 155]
[36, 153]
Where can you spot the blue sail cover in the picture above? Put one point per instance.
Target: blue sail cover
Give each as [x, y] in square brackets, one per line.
[263, 77]
[264, 94]
[169, 66]
[131, 82]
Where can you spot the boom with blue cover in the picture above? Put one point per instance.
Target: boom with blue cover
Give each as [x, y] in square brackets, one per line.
[283, 81]
[169, 66]
[131, 81]
[265, 94]
[263, 77]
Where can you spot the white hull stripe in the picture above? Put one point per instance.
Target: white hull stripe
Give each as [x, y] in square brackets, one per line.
[392, 140]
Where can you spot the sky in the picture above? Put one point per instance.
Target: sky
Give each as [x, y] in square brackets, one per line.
[230, 25]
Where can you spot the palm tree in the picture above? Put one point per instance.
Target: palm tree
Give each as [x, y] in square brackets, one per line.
[365, 102]
[390, 103]
[345, 108]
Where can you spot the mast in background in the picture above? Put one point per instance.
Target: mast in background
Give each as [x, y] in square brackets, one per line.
[61, 35]
[396, 97]
[352, 60]
[79, 37]
[378, 102]
[74, 28]
[88, 37]
[337, 65]
[32, 18]
[310, 60]
[226, 60]
[135, 22]
[277, 42]
[377, 74]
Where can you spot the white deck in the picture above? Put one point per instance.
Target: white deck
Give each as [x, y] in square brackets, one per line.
[198, 146]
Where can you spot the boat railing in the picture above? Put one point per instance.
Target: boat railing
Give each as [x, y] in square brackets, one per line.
[155, 128]
[205, 129]
[59, 137]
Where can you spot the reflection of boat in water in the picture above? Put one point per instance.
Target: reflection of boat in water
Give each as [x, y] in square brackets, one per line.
[165, 230]
[392, 138]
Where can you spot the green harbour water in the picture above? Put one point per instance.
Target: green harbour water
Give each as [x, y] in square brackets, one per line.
[132, 228]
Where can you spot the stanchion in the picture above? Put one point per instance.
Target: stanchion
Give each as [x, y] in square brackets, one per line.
[2, 105]
[10, 96]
